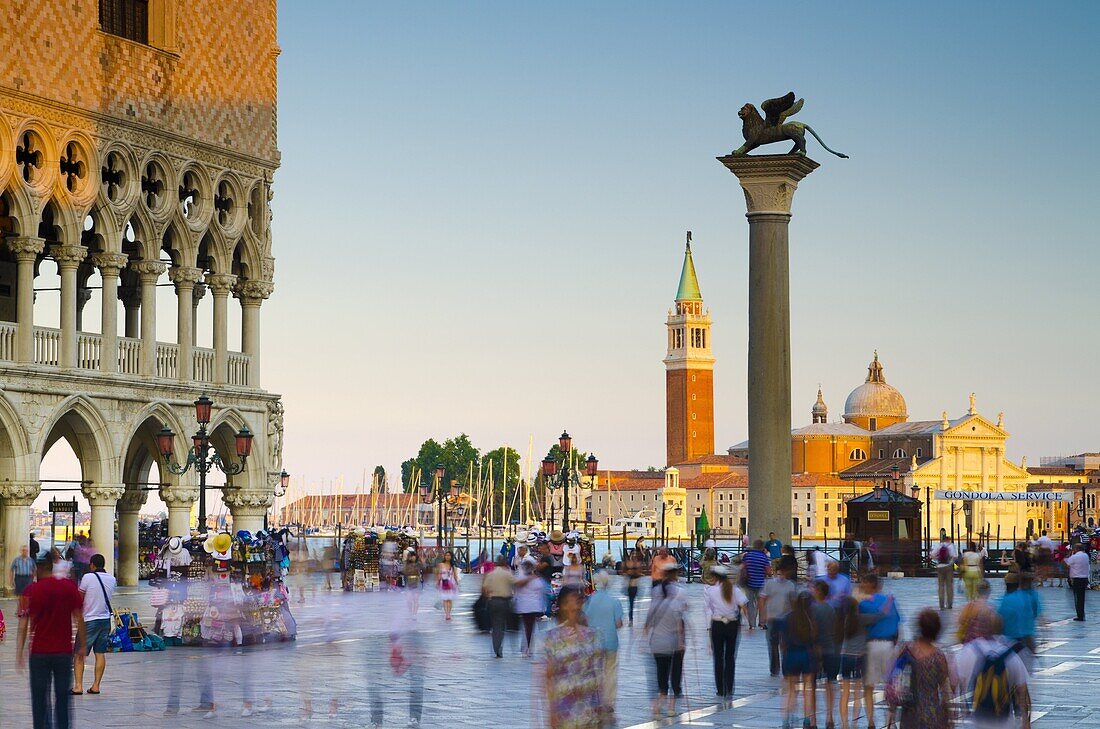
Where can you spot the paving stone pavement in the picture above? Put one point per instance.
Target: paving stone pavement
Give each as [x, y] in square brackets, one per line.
[341, 660]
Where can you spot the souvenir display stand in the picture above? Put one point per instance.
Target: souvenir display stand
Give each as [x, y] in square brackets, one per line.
[370, 559]
[572, 558]
[221, 589]
[150, 539]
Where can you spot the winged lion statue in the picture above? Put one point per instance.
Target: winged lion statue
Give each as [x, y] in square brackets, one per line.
[774, 127]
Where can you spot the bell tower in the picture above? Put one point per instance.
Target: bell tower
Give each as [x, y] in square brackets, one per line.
[689, 372]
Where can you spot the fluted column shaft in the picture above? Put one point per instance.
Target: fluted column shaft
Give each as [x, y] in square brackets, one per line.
[149, 272]
[221, 284]
[185, 280]
[26, 251]
[109, 265]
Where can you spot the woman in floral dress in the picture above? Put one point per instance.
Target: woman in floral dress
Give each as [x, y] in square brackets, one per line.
[931, 678]
[573, 666]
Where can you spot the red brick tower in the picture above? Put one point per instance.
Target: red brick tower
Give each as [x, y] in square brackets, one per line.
[689, 372]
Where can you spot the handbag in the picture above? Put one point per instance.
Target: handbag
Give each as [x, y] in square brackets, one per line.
[898, 689]
[111, 610]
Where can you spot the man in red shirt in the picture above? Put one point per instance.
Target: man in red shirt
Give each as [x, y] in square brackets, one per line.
[50, 608]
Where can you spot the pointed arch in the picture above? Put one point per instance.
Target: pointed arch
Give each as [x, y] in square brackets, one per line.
[79, 421]
[140, 450]
[219, 253]
[223, 430]
[16, 463]
[21, 209]
[60, 222]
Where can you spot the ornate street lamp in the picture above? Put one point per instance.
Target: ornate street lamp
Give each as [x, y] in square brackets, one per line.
[568, 474]
[451, 497]
[203, 456]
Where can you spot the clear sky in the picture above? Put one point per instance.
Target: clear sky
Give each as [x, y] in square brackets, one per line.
[480, 215]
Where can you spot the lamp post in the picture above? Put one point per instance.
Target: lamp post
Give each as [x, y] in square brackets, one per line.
[561, 480]
[203, 456]
[280, 491]
[443, 499]
[895, 472]
[677, 510]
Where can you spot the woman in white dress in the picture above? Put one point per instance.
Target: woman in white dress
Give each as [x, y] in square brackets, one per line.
[446, 580]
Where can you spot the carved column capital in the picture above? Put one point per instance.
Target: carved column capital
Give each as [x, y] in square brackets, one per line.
[103, 495]
[68, 256]
[149, 271]
[132, 501]
[110, 264]
[26, 248]
[179, 495]
[184, 274]
[19, 493]
[197, 293]
[769, 181]
[220, 283]
[253, 291]
[247, 499]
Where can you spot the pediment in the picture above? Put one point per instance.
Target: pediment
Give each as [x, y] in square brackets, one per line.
[974, 426]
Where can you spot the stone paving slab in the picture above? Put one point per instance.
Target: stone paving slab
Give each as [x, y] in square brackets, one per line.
[341, 657]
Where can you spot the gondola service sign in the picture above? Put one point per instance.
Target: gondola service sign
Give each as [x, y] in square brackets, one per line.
[1005, 496]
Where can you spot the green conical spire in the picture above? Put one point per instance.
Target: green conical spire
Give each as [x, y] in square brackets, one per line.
[689, 282]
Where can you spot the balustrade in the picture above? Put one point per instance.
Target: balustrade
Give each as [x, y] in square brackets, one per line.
[7, 340]
[167, 360]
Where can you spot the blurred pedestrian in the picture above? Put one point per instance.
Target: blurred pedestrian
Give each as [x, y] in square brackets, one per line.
[977, 616]
[446, 581]
[96, 589]
[972, 570]
[1078, 566]
[852, 637]
[840, 585]
[773, 546]
[33, 547]
[633, 570]
[945, 572]
[994, 677]
[50, 611]
[884, 623]
[800, 664]
[725, 604]
[22, 570]
[659, 564]
[604, 614]
[776, 601]
[413, 577]
[572, 668]
[1019, 611]
[755, 565]
[930, 681]
[666, 633]
[530, 600]
[498, 586]
[1021, 558]
[827, 647]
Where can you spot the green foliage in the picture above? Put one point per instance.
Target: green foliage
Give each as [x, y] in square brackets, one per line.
[380, 478]
[455, 455]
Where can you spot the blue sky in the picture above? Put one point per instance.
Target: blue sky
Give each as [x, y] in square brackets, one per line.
[480, 214]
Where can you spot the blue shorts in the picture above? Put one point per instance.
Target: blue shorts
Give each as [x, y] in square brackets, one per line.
[97, 632]
[851, 667]
[798, 661]
[830, 666]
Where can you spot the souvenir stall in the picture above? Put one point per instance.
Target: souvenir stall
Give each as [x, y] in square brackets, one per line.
[150, 539]
[571, 559]
[370, 559]
[220, 589]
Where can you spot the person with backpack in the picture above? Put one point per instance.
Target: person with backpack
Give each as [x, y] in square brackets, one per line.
[995, 679]
[946, 554]
[929, 684]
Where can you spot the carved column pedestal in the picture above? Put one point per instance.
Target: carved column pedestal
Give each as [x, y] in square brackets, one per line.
[769, 182]
[17, 498]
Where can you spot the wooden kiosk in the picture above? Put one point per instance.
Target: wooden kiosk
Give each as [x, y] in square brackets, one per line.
[894, 520]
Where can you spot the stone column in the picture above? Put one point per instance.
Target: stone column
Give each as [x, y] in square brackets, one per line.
[247, 506]
[103, 500]
[109, 265]
[83, 296]
[68, 259]
[129, 507]
[958, 468]
[131, 304]
[179, 499]
[17, 497]
[221, 284]
[185, 280]
[26, 251]
[149, 271]
[196, 297]
[769, 183]
[251, 295]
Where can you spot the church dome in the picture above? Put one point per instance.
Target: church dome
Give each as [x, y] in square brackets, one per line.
[874, 398]
[820, 412]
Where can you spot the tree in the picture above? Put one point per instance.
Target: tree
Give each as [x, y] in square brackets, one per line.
[505, 462]
[455, 455]
[380, 479]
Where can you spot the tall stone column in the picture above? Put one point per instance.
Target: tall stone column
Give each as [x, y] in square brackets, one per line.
[149, 271]
[247, 506]
[130, 296]
[252, 295]
[185, 279]
[221, 284]
[26, 251]
[179, 499]
[68, 260]
[17, 497]
[109, 265]
[129, 506]
[103, 500]
[769, 182]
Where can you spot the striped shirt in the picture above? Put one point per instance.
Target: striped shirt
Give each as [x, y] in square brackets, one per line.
[755, 563]
[23, 566]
